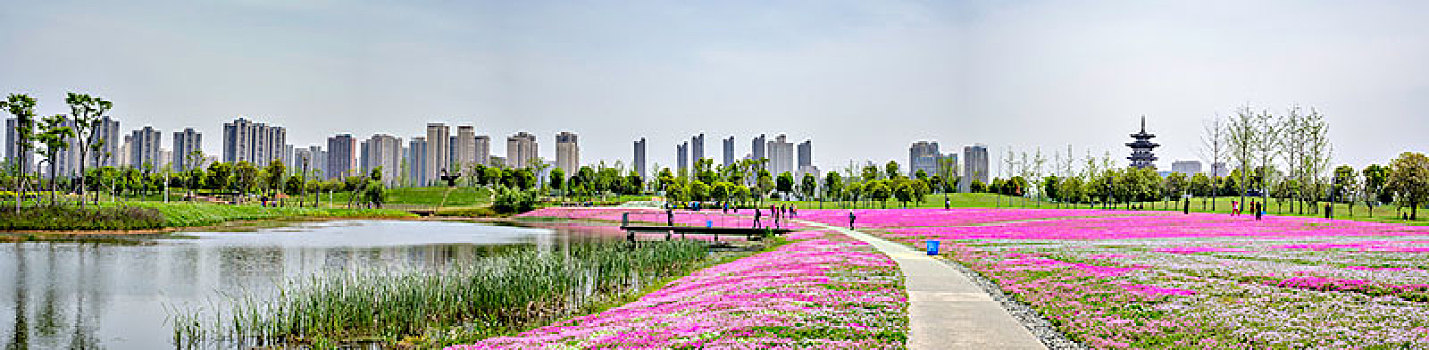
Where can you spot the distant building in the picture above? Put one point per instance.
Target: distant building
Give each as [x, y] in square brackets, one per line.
[464, 146]
[126, 151]
[384, 151]
[1141, 149]
[12, 147]
[186, 143]
[438, 151]
[146, 148]
[805, 158]
[568, 153]
[342, 154]
[923, 155]
[756, 148]
[1220, 170]
[482, 150]
[682, 157]
[256, 143]
[1186, 167]
[697, 148]
[974, 167]
[107, 136]
[66, 160]
[729, 151]
[417, 161]
[781, 155]
[521, 150]
[639, 157]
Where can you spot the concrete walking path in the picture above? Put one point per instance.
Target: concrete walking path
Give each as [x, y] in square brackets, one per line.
[945, 309]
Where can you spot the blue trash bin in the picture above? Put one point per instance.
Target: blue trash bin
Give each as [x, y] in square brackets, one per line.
[932, 247]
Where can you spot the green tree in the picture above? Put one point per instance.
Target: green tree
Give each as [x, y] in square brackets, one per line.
[85, 114]
[1200, 185]
[890, 170]
[55, 135]
[1375, 178]
[1409, 179]
[765, 183]
[879, 190]
[558, 181]
[1346, 182]
[808, 185]
[833, 185]
[785, 184]
[220, 176]
[245, 176]
[274, 173]
[22, 107]
[699, 191]
[903, 190]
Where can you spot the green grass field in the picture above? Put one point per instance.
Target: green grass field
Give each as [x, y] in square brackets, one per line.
[179, 214]
[1389, 213]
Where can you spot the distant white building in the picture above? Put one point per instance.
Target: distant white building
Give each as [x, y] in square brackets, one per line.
[1186, 167]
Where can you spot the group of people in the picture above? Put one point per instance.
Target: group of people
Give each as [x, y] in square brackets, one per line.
[779, 212]
[1257, 208]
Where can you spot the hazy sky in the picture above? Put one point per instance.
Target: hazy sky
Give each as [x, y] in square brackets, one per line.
[861, 79]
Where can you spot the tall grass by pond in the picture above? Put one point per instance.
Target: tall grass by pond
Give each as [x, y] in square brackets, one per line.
[152, 215]
[74, 218]
[490, 296]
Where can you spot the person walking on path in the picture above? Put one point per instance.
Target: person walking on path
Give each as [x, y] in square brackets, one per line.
[851, 218]
[757, 214]
[669, 217]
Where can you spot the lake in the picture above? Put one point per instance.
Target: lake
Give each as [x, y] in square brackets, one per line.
[117, 294]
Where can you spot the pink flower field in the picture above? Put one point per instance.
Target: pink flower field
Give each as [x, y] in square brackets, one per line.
[819, 291]
[1116, 279]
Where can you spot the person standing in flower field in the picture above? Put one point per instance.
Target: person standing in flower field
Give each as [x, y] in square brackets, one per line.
[851, 218]
[1235, 208]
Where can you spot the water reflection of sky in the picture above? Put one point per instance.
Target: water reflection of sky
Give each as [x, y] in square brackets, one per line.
[90, 295]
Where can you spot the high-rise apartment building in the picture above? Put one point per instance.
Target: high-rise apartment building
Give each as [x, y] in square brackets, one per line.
[342, 153]
[974, 167]
[728, 144]
[417, 161]
[568, 153]
[186, 143]
[464, 146]
[126, 151]
[682, 157]
[257, 143]
[697, 148]
[521, 150]
[756, 148]
[639, 161]
[384, 151]
[438, 151]
[482, 149]
[923, 155]
[806, 153]
[781, 155]
[26, 159]
[107, 136]
[145, 149]
[66, 161]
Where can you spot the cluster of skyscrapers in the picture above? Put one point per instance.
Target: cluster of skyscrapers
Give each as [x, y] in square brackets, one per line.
[422, 160]
[925, 156]
[779, 153]
[140, 148]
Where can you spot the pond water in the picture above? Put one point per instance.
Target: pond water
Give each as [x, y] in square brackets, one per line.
[117, 294]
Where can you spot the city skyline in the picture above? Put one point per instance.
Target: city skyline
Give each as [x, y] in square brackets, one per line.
[959, 73]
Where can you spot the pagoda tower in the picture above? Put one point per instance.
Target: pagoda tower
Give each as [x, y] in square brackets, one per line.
[1141, 156]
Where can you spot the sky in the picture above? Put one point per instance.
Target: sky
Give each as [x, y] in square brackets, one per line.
[861, 79]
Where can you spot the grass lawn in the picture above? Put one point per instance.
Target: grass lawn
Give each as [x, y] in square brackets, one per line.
[1387, 213]
[179, 214]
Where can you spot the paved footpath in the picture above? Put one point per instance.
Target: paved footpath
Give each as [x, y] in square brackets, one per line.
[945, 309]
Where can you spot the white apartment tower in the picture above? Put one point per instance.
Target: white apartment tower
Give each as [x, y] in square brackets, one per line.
[568, 153]
[521, 149]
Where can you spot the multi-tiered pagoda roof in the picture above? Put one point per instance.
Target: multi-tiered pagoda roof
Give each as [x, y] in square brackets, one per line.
[1141, 149]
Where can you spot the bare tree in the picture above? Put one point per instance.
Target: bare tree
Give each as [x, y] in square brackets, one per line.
[1267, 148]
[1214, 146]
[1241, 137]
